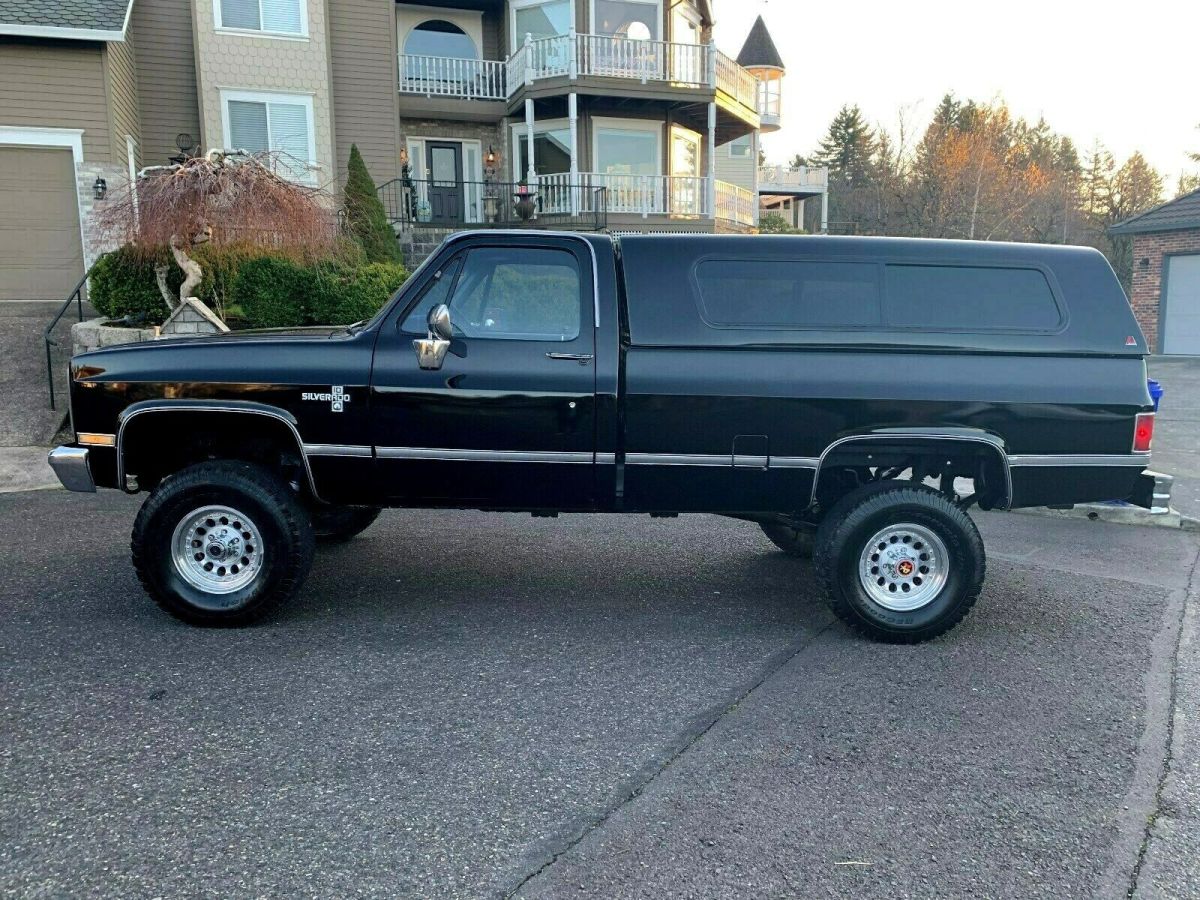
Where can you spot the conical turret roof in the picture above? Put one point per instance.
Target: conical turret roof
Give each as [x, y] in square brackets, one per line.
[759, 50]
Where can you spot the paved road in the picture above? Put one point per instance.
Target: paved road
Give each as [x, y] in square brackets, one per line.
[479, 705]
[1177, 431]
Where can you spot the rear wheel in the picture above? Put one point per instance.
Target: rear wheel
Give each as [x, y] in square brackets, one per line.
[222, 543]
[901, 563]
[792, 541]
[335, 524]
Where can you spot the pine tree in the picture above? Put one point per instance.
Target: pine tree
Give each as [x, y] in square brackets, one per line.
[848, 145]
[365, 218]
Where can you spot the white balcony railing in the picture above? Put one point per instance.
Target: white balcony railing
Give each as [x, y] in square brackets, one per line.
[735, 204]
[735, 81]
[574, 55]
[443, 76]
[816, 178]
[686, 196]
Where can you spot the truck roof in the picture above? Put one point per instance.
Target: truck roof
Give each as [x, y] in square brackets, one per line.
[969, 296]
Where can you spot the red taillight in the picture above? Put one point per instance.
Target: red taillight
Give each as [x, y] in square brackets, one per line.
[1143, 432]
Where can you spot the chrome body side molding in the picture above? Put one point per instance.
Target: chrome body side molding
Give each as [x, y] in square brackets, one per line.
[1055, 460]
[521, 456]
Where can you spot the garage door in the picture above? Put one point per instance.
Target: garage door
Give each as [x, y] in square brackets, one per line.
[40, 253]
[1181, 309]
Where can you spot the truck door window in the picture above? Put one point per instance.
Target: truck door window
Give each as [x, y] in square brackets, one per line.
[437, 291]
[518, 294]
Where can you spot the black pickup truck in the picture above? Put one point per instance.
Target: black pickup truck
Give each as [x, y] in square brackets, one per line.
[853, 396]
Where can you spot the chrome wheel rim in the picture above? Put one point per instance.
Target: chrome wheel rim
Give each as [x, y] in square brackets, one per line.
[903, 567]
[217, 549]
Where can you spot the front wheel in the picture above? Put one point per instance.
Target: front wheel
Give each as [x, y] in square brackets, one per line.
[222, 543]
[901, 563]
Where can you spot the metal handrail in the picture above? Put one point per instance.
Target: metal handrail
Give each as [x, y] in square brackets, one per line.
[47, 335]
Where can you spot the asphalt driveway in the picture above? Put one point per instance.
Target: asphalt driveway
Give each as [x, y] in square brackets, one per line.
[1177, 431]
[480, 705]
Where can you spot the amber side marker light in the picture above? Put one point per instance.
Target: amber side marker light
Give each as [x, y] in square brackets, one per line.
[1143, 432]
[96, 440]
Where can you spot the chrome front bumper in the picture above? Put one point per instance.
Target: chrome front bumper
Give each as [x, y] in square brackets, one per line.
[73, 469]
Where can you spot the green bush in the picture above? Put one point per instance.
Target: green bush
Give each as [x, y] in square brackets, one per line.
[774, 223]
[272, 292]
[123, 283]
[344, 295]
[366, 219]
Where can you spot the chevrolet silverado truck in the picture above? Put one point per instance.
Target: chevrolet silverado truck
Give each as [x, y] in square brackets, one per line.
[853, 396]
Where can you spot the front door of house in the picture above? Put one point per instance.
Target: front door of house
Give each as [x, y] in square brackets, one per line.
[444, 163]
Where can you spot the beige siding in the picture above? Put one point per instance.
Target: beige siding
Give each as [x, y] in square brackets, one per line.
[56, 84]
[121, 88]
[161, 33]
[739, 171]
[362, 41]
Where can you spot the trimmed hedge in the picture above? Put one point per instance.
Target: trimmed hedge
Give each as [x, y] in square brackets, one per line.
[248, 287]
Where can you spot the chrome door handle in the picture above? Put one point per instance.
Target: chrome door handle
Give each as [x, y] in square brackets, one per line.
[575, 357]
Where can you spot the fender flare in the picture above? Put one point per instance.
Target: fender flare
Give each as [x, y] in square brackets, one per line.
[234, 407]
[897, 435]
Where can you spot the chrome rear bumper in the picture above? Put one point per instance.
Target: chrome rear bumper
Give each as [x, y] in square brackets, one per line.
[73, 469]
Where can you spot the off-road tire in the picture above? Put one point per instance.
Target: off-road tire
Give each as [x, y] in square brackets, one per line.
[848, 528]
[278, 515]
[337, 524]
[796, 542]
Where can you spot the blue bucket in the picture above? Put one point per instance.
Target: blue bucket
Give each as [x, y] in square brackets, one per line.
[1156, 391]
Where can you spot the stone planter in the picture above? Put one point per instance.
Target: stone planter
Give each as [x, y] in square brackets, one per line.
[93, 334]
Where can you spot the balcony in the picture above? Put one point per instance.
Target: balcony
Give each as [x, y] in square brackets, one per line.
[805, 181]
[581, 202]
[574, 56]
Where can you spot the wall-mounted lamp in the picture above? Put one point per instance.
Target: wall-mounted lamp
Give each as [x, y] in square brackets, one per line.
[1145, 262]
[403, 156]
[491, 162]
[99, 188]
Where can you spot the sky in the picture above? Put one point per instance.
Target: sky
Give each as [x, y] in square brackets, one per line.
[1125, 73]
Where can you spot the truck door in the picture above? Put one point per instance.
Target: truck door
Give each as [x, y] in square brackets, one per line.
[508, 420]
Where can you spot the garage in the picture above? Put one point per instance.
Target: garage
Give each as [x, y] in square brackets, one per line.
[1166, 274]
[41, 253]
[1181, 305]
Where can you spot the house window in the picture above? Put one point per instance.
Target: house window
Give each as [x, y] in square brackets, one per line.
[636, 19]
[540, 19]
[440, 38]
[628, 147]
[551, 149]
[287, 17]
[742, 148]
[279, 123]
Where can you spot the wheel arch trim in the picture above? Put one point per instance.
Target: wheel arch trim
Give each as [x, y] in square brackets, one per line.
[227, 407]
[962, 436]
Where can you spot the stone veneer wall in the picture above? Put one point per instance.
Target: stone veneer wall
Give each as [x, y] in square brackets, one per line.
[244, 62]
[1147, 280]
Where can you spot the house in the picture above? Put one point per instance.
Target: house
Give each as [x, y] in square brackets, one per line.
[607, 114]
[1166, 273]
[68, 127]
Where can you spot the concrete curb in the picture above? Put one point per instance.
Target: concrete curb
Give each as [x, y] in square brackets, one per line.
[1120, 515]
[25, 469]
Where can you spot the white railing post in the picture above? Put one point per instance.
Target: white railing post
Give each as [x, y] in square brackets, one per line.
[528, 59]
[711, 190]
[712, 65]
[572, 54]
[573, 113]
[530, 168]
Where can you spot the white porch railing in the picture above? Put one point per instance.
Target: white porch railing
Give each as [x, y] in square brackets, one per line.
[574, 55]
[816, 178]
[731, 78]
[646, 195]
[735, 204]
[443, 76]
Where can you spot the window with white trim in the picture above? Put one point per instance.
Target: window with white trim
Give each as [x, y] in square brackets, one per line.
[279, 123]
[268, 16]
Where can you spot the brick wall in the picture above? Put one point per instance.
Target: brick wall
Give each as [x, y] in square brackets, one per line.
[1147, 276]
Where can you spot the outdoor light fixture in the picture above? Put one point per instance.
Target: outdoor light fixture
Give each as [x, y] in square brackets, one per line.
[1145, 263]
[99, 188]
[403, 156]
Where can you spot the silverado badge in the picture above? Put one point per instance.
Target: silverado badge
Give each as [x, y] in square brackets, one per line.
[337, 398]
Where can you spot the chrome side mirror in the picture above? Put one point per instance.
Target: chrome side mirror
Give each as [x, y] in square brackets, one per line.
[431, 350]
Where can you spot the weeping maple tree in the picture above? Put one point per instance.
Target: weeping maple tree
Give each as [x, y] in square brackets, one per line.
[225, 197]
